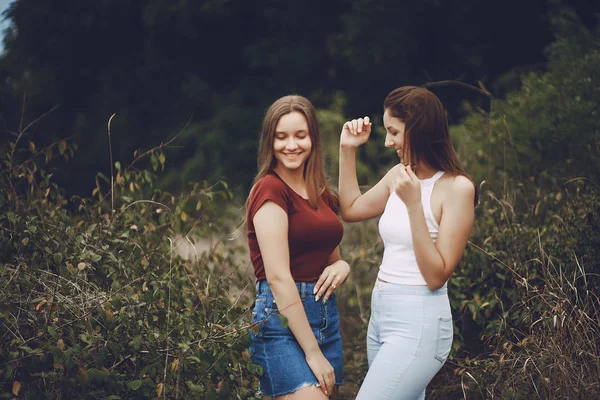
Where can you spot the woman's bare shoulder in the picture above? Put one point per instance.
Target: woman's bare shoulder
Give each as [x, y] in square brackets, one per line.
[459, 186]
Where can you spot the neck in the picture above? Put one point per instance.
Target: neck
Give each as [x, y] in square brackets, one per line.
[425, 171]
[294, 178]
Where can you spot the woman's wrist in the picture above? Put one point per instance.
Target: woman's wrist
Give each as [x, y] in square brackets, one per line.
[414, 208]
[313, 351]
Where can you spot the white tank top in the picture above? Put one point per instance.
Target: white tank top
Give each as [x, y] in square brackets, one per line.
[399, 264]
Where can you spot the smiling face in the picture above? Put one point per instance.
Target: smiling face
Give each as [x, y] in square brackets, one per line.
[292, 144]
[394, 138]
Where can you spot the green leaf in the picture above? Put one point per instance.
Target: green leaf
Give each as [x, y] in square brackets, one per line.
[52, 332]
[283, 320]
[62, 146]
[57, 257]
[254, 369]
[135, 385]
[136, 342]
[194, 388]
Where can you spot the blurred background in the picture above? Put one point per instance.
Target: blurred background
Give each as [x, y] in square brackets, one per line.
[212, 67]
[128, 136]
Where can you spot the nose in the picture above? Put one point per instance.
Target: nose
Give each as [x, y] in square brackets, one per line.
[388, 141]
[291, 144]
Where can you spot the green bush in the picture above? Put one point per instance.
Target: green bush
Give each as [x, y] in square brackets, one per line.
[525, 293]
[96, 303]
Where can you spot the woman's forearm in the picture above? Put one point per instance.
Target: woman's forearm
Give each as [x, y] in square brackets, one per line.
[349, 190]
[290, 306]
[429, 259]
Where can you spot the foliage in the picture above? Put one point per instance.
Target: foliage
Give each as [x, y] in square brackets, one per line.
[220, 63]
[94, 300]
[526, 290]
[525, 294]
[549, 129]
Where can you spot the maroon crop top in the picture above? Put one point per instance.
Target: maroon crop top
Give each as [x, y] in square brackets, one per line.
[312, 234]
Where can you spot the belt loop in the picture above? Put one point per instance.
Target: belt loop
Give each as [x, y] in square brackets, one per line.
[303, 290]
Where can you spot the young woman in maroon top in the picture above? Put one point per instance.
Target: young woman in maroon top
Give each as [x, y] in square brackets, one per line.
[294, 235]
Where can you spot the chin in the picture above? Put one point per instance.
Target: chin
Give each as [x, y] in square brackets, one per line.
[291, 166]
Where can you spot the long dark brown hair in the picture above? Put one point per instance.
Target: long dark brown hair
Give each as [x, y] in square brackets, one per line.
[314, 173]
[426, 129]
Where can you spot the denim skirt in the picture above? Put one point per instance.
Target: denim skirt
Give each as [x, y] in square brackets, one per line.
[274, 346]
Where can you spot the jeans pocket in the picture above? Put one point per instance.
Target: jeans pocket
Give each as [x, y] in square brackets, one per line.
[258, 317]
[445, 334]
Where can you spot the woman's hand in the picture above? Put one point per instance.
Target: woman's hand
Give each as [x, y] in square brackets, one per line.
[331, 278]
[355, 132]
[407, 186]
[323, 371]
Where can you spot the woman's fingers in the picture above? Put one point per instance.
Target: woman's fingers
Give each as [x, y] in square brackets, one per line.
[326, 285]
[327, 382]
[411, 173]
[363, 124]
[329, 379]
[402, 175]
[334, 284]
[321, 281]
[357, 126]
[322, 385]
[348, 126]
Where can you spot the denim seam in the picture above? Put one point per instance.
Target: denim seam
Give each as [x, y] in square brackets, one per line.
[323, 322]
[376, 321]
[436, 355]
[266, 354]
[418, 347]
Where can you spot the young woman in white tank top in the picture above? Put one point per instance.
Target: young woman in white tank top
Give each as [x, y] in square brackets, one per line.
[426, 203]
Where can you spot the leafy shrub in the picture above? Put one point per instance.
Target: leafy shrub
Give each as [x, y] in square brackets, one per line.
[525, 293]
[94, 300]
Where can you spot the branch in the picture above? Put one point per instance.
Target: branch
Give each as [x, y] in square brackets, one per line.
[112, 176]
[481, 89]
[161, 145]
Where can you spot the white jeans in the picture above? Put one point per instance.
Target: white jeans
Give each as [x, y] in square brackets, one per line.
[409, 338]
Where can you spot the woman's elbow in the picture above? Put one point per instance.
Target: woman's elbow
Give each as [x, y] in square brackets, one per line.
[436, 282]
[277, 280]
[346, 216]
[435, 285]
[349, 216]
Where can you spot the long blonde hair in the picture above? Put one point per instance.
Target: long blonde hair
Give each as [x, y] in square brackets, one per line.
[314, 173]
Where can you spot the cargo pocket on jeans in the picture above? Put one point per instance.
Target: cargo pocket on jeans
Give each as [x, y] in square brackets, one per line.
[445, 335]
